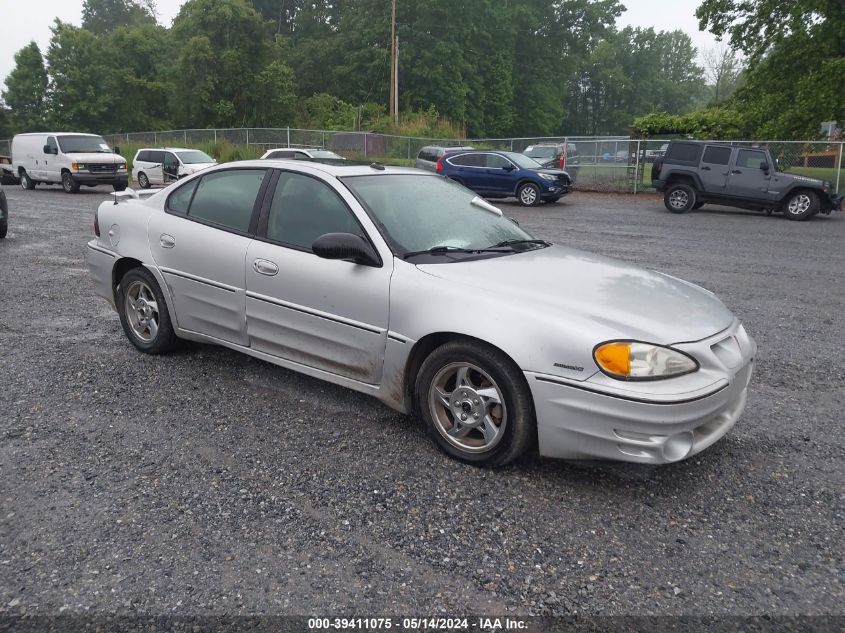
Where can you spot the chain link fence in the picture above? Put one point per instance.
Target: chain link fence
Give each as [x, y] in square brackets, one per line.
[614, 164]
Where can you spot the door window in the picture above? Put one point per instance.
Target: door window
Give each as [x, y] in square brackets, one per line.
[468, 160]
[143, 156]
[54, 147]
[717, 155]
[750, 158]
[281, 154]
[156, 156]
[180, 199]
[227, 198]
[303, 209]
[494, 161]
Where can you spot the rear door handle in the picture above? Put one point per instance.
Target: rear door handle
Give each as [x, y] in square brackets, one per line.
[265, 267]
[705, 168]
[736, 171]
[167, 241]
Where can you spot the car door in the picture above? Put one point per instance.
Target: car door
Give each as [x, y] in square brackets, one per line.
[746, 178]
[500, 175]
[468, 169]
[170, 168]
[714, 168]
[200, 245]
[326, 314]
[154, 169]
[51, 169]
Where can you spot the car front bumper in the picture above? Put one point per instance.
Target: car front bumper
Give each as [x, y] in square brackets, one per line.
[119, 178]
[576, 420]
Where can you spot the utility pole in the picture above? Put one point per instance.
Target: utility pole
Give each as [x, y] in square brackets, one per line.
[394, 68]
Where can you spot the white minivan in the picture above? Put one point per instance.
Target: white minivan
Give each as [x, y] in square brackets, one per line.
[67, 158]
[163, 166]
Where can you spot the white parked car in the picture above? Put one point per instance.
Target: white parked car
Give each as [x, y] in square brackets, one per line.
[406, 286]
[69, 159]
[162, 166]
[302, 154]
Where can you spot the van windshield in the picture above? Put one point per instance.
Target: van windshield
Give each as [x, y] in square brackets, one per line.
[73, 144]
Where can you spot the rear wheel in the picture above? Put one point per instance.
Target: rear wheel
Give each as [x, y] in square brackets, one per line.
[802, 205]
[680, 198]
[69, 184]
[528, 195]
[143, 313]
[4, 228]
[476, 403]
[27, 182]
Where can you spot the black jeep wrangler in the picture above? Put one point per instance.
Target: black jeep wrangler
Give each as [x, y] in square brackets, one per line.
[694, 173]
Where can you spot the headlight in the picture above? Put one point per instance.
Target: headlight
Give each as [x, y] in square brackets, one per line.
[77, 166]
[548, 177]
[632, 360]
[122, 166]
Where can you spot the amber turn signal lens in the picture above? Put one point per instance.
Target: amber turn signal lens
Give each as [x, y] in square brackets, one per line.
[615, 358]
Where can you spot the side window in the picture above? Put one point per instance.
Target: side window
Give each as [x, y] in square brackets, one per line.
[282, 154]
[750, 159]
[303, 209]
[684, 152]
[181, 198]
[717, 155]
[143, 156]
[494, 161]
[301, 156]
[51, 141]
[170, 159]
[226, 198]
[156, 156]
[468, 160]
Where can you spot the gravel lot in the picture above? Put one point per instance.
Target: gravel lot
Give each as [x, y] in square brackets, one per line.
[207, 482]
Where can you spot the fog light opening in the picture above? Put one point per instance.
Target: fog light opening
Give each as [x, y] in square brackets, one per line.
[678, 446]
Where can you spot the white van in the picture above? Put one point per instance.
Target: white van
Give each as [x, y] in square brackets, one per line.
[69, 159]
[163, 166]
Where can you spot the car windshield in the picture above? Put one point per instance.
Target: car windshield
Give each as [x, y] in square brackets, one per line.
[541, 152]
[324, 153]
[194, 156]
[522, 160]
[421, 212]
[77, 144]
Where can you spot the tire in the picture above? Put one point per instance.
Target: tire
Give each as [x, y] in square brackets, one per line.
[697, 205]
[528, 195]
[27, 182]
[801, 205]
[680, 198]
[143, 313]
[4, 228]
[143, 181]
[494, 400]
[119, 187]
[68, 183]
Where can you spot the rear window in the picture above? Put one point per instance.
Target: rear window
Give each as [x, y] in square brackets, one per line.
[143, 156]
[427, 153]
[541, 152]
[717, 155]
[227, 198]
[684, 152]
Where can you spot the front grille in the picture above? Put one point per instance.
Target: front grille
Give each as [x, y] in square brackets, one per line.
[108, 168]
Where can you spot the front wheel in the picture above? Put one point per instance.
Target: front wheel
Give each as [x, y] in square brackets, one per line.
[4, 228]
[476, 404]
[528, 195]
[143, 313]
[143, 181]
[119, 187]
[69, 184]
[27, 182]
[680, 198]
[802, 205]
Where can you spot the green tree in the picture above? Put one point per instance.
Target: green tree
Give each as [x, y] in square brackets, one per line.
[26, 90]
[104, 16]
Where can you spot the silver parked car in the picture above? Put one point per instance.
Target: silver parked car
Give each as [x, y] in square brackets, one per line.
[409, 287]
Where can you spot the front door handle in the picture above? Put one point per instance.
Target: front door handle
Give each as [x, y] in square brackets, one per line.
[265, 267]
[736, 171]
[167, 241]
[705, 168]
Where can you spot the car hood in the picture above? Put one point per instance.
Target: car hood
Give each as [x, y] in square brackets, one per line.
[551, 170]
[94, 157]
[806, 179]
[628, 301]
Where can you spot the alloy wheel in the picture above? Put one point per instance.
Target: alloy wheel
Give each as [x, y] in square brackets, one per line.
[678, 199]
[528, 196]
[141, 309]
[468, 407]
[799, 205]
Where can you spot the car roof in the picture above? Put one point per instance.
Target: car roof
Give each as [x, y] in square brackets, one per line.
[338, 171]
[168, 149]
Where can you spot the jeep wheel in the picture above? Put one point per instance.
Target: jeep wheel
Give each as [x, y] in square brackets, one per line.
[680, 198]
[802, 205]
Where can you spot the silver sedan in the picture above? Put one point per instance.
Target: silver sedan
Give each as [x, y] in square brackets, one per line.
[403, 285]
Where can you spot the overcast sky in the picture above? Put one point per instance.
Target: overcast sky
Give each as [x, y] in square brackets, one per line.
[31, 20]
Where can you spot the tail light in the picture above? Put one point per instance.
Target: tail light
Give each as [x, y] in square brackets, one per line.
[439, 165]
[562, 162]
[97, 223]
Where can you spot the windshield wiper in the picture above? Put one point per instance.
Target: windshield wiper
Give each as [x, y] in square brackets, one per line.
[505, 243]
[445, 250]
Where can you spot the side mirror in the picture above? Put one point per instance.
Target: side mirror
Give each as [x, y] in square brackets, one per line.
[509, 167]
[116, 149]
[346, 246]
[764, 166]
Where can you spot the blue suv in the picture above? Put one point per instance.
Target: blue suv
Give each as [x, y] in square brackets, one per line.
[505, 174]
